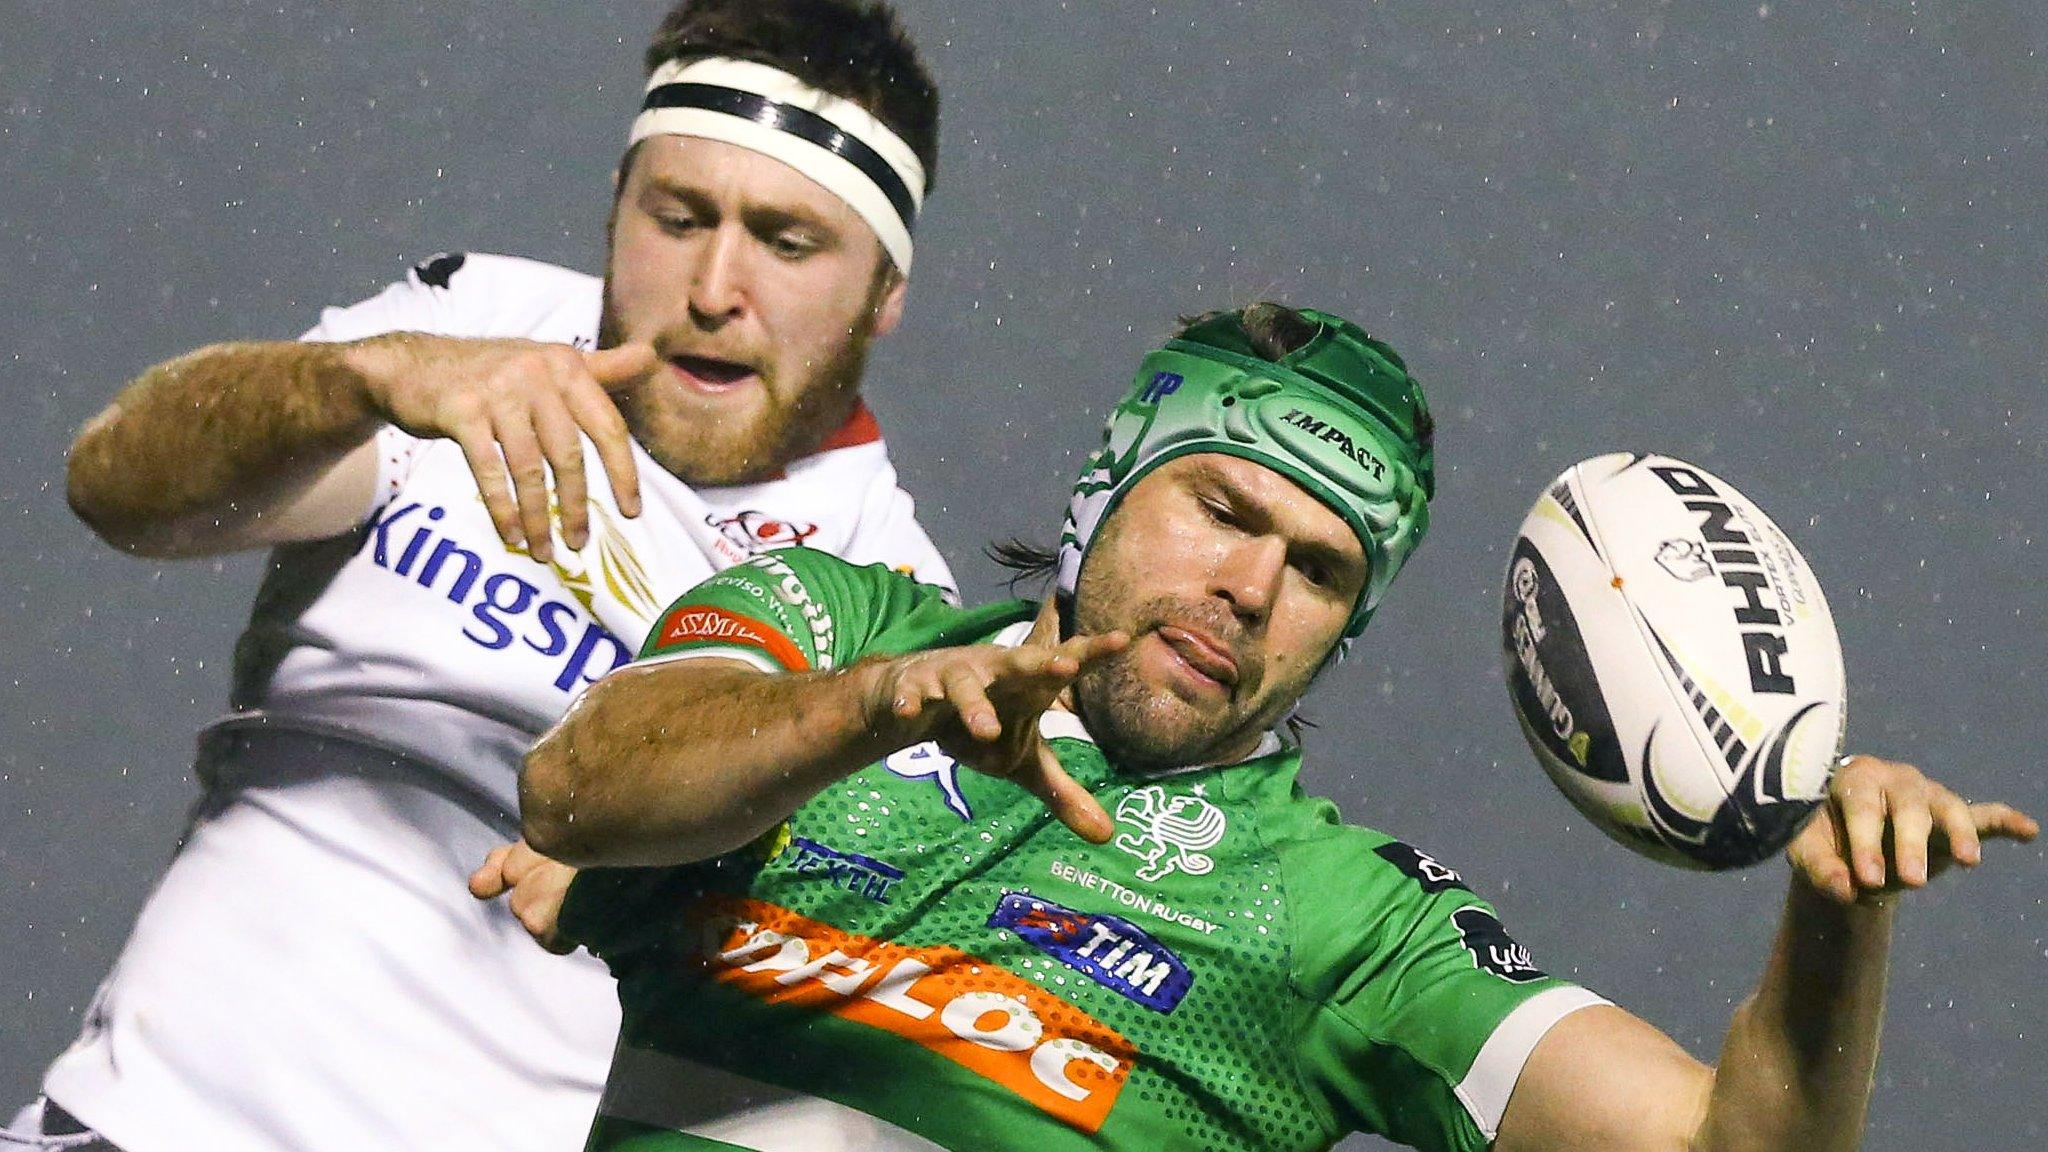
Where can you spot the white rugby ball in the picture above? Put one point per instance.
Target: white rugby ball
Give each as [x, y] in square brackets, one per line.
[1672, 661]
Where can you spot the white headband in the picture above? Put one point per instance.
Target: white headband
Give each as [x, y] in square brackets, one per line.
[832, 140]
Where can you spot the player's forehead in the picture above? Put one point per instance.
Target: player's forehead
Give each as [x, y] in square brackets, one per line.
[734, 178]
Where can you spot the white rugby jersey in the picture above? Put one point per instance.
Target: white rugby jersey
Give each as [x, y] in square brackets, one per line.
[424, 635]
[312, 972]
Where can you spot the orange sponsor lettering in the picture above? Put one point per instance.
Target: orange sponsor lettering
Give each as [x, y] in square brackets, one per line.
[689, 624]
[982, 1017]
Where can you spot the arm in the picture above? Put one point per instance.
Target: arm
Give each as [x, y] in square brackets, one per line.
[630, 777]
[246, 445]
[1798, 1063]
[673, 762]
[233, 446]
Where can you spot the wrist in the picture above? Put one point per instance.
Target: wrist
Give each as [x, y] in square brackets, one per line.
[363, 371]
[1812, 904]
[875, 681]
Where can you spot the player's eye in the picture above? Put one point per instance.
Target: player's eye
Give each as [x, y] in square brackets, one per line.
[1221, 513]
[677, 223]
[792, 245]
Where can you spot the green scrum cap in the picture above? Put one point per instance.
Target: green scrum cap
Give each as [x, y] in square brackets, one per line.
[1340, 416]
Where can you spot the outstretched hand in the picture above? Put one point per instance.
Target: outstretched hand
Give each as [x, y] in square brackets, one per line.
[981, 704]
[1886, 826]
[537, 886]
[519, 410]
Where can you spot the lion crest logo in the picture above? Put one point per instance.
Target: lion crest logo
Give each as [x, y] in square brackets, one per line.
[1174, 832]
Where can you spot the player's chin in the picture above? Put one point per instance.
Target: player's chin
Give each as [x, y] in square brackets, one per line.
[721, 448]
[1182, 734]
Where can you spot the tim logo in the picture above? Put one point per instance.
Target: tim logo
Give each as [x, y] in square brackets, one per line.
[1163, 384]
[754, 531]
[1110, 950]
[926, 762]
[1173, 833]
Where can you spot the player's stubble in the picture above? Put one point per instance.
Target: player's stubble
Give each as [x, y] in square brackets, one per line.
[1143, 725]
[794, 418]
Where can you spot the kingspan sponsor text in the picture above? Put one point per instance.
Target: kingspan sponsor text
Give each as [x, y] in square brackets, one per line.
[500, 602]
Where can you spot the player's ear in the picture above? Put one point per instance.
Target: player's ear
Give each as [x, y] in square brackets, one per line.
[889, 304]
[611, 218]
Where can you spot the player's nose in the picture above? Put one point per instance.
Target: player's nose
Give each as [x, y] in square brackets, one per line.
[718, 287]
[1247, 576]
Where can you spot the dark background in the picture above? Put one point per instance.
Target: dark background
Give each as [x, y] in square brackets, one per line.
[1801, 245]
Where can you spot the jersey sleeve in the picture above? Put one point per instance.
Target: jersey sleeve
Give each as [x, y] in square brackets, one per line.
[422, 302]
[890, 534]
[425, 301]
[1423, 1008]
[791, 610]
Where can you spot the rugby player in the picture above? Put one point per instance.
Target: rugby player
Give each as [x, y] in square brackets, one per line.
[482, 485]
[1127, 927]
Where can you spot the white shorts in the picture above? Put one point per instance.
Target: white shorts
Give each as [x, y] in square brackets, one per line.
[312, 974]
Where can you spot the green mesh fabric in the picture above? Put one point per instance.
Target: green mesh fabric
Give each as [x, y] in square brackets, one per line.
[1261, 977]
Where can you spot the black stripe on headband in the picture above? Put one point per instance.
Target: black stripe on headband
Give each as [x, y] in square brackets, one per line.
[798, 122]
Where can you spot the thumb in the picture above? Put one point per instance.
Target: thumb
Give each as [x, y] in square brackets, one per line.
[488, 881]
[616, 368]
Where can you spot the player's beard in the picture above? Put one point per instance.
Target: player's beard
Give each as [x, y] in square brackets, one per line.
[1145, 726]
[794, 420]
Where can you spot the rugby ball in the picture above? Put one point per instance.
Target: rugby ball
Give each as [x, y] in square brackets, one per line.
[1672, 661]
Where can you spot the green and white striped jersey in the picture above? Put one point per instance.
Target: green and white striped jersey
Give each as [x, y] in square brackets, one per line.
[922, 957]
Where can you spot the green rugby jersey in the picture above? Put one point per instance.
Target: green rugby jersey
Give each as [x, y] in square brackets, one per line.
[922, 957]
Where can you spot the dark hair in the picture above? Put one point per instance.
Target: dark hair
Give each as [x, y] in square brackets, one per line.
[1274, 330]
[854, 49]
[1026, 561]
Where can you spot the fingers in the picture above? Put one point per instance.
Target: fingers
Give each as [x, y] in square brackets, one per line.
[1888, 826]
[562, 444]
[1088, 649]
[622, 367]
[513, 429]
[537, 905]
[1057, 666]
[1862, 808]
[2006, 823]
[967, 693]
[599, 418]
[488, 881]
[1818, 853]
[1912, 821]
[521, 423]
[962, 686]
[1070, 804]
[1959, 828]
[537, 886]
[481, 451]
